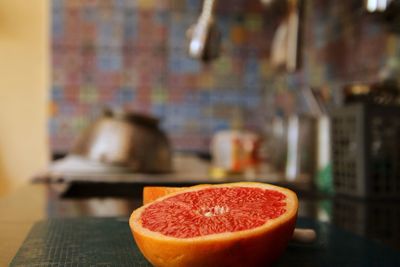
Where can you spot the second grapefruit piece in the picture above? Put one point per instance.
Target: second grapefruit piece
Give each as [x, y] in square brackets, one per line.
[151, 193]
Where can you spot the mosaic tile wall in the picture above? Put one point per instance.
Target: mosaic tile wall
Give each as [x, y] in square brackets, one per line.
[342, 44]
[131, 55]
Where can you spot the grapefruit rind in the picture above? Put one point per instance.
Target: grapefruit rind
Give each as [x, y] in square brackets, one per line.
[259, 245]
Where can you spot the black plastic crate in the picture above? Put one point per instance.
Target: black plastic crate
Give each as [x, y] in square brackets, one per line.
[366, 150]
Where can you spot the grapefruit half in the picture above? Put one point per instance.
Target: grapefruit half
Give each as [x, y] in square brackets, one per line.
[237, 224]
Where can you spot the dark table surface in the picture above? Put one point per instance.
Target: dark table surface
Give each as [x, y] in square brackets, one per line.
[377, 221]
[108, 242]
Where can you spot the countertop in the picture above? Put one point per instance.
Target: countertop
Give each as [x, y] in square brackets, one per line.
[376, 220]
[187, 168]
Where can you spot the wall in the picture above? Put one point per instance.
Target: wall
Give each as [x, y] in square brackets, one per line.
[132, 55]
[342, 44]
[23, 89]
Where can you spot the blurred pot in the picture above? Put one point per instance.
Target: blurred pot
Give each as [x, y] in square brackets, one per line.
[131, 140]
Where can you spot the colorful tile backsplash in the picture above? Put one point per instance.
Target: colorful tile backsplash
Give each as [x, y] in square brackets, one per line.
[131, 54]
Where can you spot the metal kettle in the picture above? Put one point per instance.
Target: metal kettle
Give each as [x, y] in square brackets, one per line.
[131, 140]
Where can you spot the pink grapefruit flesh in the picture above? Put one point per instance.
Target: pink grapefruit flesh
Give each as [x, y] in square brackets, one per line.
[213, 210]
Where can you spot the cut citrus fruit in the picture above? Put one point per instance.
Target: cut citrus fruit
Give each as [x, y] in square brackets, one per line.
[151, 193]
[238, 224]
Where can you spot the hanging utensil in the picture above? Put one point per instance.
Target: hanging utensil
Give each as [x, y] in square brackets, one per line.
[285, 43]
[204, 36]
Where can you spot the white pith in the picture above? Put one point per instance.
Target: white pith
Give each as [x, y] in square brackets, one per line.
[213, 211]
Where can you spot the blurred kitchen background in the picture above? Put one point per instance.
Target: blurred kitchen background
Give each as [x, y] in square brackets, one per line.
[101, 97]
[132, 55]
[280, 70]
